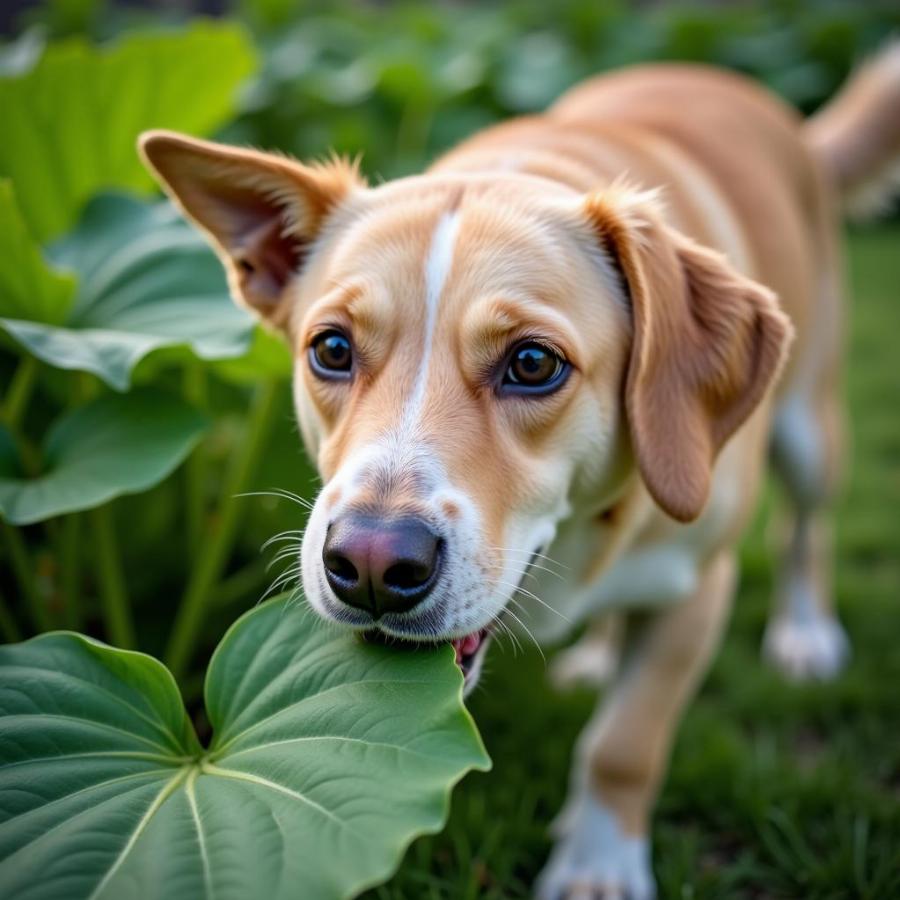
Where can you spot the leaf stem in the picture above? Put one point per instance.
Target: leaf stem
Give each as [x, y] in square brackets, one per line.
[19, 391]
[195, 470]
[70, 569]
[23, 569]
[215, 551]
[9, 628]
[116, 609]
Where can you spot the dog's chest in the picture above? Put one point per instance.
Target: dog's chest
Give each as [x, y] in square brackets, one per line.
[559, 598]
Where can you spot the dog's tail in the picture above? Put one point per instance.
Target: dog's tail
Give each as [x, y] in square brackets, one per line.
[857, 135]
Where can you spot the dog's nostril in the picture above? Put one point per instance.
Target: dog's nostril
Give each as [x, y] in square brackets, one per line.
[341, 567]
[404, 576]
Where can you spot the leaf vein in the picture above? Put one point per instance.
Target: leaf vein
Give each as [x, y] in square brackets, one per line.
[168, 789]
[211, 769]
[201, 840]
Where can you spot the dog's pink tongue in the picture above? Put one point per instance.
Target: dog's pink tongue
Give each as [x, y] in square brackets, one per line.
[466, 646]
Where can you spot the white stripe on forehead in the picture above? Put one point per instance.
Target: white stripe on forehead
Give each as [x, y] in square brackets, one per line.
[437, 268]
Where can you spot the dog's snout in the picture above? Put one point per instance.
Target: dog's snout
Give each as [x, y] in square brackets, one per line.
[381, 566]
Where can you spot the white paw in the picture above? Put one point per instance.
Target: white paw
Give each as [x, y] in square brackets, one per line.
[806, 648]
[596, 860]
[589, 664]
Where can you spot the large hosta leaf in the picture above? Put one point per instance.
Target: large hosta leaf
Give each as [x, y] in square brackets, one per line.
[29, 288]
[114, 445]
[70, 122]
[146, 280]
[328, 756]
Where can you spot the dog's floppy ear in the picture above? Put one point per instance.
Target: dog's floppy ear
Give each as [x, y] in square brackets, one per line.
[260, 211]
[707, 344]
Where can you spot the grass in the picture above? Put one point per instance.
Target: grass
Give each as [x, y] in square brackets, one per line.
[775, 790]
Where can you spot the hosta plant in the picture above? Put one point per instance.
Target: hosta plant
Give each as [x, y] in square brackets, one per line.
[130, 279]
[101, 284]
[328, 755]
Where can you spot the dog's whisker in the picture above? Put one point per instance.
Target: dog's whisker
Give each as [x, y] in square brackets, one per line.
[283, 536]
[533, 596]
[287, 553]
[290, 539]
[281, 494]
[532, 555]
[533, 565]
[527, 631]
[289, 573]
[508, 632]
[518, 589]
[282, 580]
[275, 562]
[291, 495]
[546, 569]
[290, 550]
[293, 602]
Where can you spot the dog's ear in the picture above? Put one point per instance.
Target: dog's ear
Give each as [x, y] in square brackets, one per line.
[261, 212]
[707, 344]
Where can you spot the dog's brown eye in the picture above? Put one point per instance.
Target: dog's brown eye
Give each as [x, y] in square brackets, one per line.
[330, 355]
[534, 368]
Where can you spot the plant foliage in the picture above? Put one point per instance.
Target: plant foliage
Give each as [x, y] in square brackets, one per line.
[146, 280]
[29, 289]
[112, 446]
[71, 121]
[328, 755]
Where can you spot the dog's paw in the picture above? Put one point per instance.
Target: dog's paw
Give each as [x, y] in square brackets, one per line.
[589, 663]
[595, 860]
[806, 649]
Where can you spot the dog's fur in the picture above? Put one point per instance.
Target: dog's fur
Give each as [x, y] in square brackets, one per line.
[671, 231]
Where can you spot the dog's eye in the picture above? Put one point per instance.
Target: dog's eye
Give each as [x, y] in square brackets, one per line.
[330, 355]
[534, 369]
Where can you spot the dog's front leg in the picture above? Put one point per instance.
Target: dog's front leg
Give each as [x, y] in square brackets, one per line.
[603, 849]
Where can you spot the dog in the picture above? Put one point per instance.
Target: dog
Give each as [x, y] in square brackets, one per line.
[569, 349]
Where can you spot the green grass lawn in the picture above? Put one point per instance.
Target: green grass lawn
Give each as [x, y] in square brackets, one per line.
[775, 790]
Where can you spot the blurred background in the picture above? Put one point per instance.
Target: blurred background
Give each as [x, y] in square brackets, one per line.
[400, 81]
[137, 404]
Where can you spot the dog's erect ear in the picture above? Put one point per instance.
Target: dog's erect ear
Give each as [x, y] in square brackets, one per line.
[707, 344]
[260, 211]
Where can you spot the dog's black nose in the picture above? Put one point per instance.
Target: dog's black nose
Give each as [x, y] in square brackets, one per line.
[381, 565]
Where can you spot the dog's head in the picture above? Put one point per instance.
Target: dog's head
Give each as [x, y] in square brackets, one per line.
[475, 358]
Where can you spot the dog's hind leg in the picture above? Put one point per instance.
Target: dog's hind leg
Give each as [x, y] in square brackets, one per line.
[804, 638]
[603, 850]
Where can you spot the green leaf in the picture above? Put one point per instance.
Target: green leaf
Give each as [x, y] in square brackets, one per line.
[147, 280]
[29, 288]
[114, 445]
[328, 756]
[70, 123]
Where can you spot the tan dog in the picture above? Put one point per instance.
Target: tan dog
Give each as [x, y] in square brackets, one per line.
[559, 346]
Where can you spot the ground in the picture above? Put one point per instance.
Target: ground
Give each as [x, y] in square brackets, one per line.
[775, 790]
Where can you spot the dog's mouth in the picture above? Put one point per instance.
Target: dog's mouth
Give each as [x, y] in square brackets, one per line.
[470, 650]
